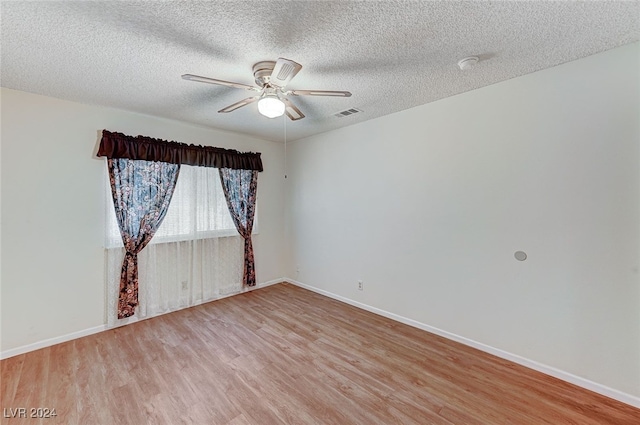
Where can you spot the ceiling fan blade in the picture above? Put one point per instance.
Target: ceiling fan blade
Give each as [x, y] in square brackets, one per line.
[319, 93]
[292, 111]
[191, 77]
[283, 71]
[240, 104]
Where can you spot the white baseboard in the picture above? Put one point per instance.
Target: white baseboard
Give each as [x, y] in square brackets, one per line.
[51, 341]
[264, 284]
[79, 334]
[548, 370]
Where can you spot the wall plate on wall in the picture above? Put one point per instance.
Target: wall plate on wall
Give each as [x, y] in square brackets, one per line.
[520, 255]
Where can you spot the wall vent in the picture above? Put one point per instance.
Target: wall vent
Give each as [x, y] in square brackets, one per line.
[347, 112]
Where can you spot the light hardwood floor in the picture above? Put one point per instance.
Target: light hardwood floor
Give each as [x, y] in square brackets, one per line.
[285, 355]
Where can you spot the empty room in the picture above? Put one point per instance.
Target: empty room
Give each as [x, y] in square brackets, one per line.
[320, 212]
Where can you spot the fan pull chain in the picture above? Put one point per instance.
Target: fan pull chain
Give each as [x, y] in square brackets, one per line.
[284, 120]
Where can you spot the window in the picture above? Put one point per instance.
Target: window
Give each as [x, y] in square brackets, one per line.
[198, 210]
[195, 256]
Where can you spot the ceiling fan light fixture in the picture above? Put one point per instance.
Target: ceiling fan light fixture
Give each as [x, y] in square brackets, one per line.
[270, 106]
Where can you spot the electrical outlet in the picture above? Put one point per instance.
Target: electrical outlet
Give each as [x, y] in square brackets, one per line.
[360, 285]
[185, 285]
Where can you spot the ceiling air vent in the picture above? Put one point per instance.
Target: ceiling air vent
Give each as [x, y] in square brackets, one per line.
[347, 112]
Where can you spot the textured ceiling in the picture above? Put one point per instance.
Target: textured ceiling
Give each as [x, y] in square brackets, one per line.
[392, 55]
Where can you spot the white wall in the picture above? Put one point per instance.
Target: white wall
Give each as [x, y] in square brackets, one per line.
[52, 276]
[428, 206]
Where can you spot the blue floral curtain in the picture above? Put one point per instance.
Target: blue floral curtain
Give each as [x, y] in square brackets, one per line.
[142, 191]
[240, 188]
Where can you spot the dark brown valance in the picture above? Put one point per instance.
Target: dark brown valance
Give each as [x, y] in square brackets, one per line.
[118, 145]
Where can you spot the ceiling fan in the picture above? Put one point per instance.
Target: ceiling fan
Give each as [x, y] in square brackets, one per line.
[272, 78]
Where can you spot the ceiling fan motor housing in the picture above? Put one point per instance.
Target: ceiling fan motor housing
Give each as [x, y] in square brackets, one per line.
[262, 72]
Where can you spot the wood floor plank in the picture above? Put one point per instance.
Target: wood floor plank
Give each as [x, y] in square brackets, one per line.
[11, 367]
[239, 420]
[285, 355]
